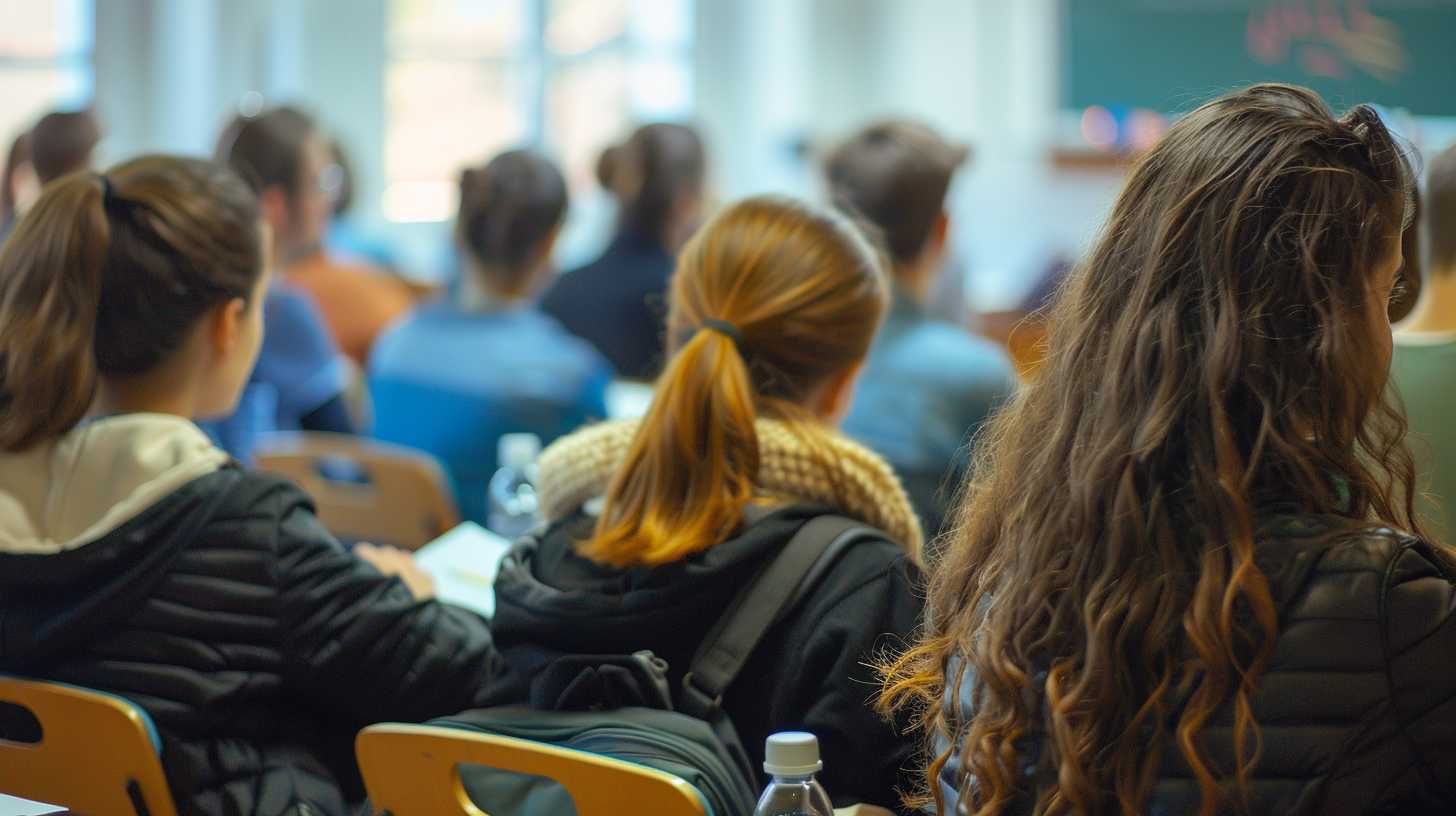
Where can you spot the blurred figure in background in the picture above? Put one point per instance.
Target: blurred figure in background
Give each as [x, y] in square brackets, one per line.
[927, 385]
[1423, 366]
[344, 240]
[287, 155]
[63, 142]
[300, 379]
[456, 375]
[617, 302]
[18, 186]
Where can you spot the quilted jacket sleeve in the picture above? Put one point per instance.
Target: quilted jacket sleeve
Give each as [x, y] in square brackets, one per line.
[359, 643]
[1418, 611]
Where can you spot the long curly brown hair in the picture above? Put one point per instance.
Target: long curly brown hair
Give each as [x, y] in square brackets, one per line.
[1212, 362]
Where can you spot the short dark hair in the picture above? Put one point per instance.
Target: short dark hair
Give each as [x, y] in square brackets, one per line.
[1441, 211]
[62, 142]
[895, 175]
[267, 150]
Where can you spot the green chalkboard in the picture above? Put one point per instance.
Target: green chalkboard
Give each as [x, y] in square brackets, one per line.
[1170, 55]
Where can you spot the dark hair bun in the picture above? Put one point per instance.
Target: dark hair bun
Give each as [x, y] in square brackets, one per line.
[609, 165]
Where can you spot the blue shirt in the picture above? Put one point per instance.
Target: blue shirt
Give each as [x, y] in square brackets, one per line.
[451, 381]
[299, 369]
[926, 388]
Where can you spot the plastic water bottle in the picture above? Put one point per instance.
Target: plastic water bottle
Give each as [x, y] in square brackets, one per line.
[792, 757]
[513, 507]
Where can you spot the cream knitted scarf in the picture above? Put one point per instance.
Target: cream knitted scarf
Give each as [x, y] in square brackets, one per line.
[856, 481]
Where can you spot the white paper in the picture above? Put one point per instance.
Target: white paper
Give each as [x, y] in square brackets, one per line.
[15, 806]
[463, 563]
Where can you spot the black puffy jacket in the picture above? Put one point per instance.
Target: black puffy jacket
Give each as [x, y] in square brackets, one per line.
[813, 670]
[1357, 711]
[135, 559]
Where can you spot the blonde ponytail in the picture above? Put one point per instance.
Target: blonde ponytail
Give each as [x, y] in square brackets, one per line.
[699, 453]
[768, 301]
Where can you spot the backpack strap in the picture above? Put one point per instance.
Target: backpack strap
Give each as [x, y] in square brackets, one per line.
[776, 589]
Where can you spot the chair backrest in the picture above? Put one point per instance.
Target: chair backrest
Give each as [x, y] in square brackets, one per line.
[97, 753]
[413, 770]
[365, 490]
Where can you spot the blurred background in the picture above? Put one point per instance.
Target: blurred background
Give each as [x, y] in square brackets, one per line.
[1053, 96]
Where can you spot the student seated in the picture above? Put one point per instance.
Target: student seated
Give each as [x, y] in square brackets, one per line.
[1185, 577]
[616, 302]
[772, 310]
[301, 381]
[136, 558]
[1424, 365]
[452, 378]
[18, 184]
[285, 154]
[928, 385]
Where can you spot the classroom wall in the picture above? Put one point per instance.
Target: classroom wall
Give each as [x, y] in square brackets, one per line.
[771, 76]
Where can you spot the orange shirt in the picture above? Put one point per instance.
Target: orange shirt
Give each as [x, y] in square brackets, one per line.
[357, 300]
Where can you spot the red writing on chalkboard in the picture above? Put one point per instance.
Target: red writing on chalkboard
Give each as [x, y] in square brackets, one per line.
[1327, 38]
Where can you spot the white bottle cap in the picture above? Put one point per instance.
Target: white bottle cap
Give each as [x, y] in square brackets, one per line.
[792, 753]
[517, 449]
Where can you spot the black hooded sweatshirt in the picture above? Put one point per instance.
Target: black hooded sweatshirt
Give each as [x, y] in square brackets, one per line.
[813, 670]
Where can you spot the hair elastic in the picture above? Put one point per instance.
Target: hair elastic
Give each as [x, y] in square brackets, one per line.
[724, 328]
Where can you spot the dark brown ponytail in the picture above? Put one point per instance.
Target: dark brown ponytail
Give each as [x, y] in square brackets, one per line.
[507, 209]
[659, 166]
[106, 276]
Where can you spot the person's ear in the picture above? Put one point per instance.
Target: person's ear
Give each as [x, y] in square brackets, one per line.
[835, 397]
[541, 256]
[226, 326]
[540, 260]
[939, 233]
[274, 204]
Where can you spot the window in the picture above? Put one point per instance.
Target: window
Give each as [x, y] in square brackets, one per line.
[45, 61]
[467, 78]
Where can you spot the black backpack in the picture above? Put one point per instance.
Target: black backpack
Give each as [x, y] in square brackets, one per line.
[621, 706]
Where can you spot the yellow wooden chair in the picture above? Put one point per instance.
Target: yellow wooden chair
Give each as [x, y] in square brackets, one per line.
[98, 754]
[412, 770]
[365, 490]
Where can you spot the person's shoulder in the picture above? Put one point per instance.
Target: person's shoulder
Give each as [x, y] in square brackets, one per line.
[571, 285]
[288, 302]
[951, 348]
[399, 339]
[1325, 566]
[869, 556]
[591, 361]
[947, 358]
[252, 494]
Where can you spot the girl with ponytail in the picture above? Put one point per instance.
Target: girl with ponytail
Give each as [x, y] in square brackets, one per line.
[1186, 576]
[658, 178]
[454, 377]
[138, 559]
[655, 525]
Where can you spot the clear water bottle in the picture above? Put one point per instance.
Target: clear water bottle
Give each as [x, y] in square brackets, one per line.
[513, 507]
[792, 757]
